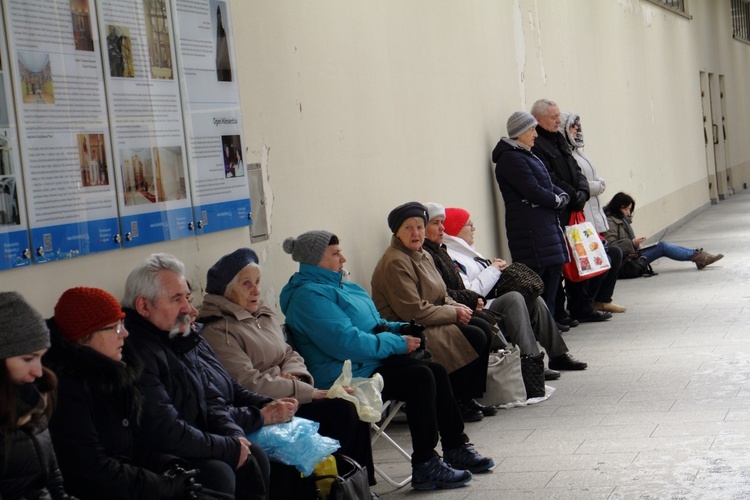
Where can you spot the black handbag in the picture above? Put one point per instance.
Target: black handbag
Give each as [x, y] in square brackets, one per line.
[351, 481]
[532, 369]
[518, 277]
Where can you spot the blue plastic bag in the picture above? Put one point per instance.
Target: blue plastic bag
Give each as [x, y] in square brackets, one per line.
[295, 443]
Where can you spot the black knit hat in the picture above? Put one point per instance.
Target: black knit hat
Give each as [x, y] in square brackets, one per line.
[22, 328]
[402, 212]
[226, 268]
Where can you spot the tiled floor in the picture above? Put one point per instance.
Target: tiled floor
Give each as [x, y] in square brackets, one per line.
[663, 412]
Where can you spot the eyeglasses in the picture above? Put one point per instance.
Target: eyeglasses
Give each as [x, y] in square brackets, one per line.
[116, 328]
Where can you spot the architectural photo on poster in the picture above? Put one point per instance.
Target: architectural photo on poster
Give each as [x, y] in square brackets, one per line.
[120, 51]
[157, 33]
[81, 17]
[36, 77]
[169, 173]
[223, 57]
[137, 176]
[9, 213]
[93, 157]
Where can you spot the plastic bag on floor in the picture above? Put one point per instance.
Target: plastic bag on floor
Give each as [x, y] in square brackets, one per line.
[366, 396]
[295, 443]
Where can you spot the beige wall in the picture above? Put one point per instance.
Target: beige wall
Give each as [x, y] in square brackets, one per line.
[353, 107]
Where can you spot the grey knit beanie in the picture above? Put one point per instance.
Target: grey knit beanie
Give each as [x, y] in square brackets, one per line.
[519, 122]
[22, 329]
[309, 247]
[227, 268]
[434, 210]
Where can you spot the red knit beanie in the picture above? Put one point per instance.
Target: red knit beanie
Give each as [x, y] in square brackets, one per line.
[455, 220]
[81, 311]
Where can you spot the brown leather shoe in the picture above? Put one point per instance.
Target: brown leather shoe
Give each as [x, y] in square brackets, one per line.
[609, 307]
[703, 258]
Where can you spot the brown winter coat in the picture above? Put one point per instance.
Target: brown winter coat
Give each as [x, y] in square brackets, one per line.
[405, 286]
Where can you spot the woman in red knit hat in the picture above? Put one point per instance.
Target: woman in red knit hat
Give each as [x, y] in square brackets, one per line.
[99, 409]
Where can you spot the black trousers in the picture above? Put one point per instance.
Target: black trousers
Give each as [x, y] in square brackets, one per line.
[250, 481]
[470, 381]
[338, 420]
[581, 295]
[551, 278]
[431, 409]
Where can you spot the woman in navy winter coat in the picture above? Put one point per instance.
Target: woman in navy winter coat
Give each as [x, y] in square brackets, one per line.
[531, 200]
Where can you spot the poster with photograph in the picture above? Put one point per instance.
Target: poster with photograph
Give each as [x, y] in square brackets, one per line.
[146, 119]
[56, 69]
[213, 120]
[14, 234]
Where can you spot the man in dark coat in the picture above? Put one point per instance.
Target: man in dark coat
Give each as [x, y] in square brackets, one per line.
[185, 415]
[552, 148]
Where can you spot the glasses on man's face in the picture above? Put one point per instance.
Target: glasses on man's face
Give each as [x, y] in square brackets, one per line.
[117, 328]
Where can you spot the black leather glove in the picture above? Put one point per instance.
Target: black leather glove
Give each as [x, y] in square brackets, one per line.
[178, 484]
[581, 200]
[414, 329]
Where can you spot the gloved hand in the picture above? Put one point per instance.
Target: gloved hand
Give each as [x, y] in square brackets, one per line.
[564, 200]
[581, 199]
[416, 330]
[178, 483]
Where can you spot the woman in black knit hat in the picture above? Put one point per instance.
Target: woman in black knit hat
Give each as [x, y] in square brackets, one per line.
[28, 466]
[406, 285]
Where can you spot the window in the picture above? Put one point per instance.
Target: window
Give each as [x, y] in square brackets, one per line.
[741, 19]
[676, 6]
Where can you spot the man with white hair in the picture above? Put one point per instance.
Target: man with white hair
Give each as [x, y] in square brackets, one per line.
[552, 148]
[183, 414]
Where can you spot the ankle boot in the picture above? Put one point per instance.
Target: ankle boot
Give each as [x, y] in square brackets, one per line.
[703, 259]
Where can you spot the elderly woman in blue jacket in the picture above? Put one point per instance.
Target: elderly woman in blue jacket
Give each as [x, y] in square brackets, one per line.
[531, 200]
[334, 320]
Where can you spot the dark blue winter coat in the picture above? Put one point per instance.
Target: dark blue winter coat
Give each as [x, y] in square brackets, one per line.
[531, 223]
[183, 414]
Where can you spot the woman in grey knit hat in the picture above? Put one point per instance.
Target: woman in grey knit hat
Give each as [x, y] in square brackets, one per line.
[28, 467]
[333, 320]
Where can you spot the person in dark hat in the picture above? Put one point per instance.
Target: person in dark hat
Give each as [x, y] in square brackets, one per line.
[248, 339]
[28, 466]
[406, 285]
[95, 426]
[333, 320]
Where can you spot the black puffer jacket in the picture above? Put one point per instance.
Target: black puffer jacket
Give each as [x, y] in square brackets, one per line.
[95, 424]
[552, 148]
[184, 415]
[28, 466]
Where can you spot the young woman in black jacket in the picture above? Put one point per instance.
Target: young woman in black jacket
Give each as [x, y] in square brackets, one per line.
[28, 466]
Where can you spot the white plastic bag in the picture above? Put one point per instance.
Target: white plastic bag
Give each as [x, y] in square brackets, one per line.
[366, 397]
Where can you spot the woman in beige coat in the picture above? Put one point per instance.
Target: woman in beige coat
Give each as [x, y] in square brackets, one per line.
[406, 285]
[248, 340]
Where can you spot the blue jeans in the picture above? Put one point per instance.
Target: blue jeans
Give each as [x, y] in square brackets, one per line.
[668, 250]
